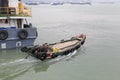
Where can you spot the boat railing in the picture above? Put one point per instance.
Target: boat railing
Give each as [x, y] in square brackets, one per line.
[15, 11]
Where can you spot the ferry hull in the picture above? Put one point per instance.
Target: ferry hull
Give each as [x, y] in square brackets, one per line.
[14, 41]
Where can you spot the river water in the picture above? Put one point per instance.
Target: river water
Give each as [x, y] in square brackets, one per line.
[97, 59]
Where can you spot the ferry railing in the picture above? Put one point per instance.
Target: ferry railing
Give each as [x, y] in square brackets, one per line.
[15, 11]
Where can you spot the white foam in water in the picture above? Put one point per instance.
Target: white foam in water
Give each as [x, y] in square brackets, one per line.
[30, 60]
[16, 61]
[72, 54]
[19, 61]
[59, 58]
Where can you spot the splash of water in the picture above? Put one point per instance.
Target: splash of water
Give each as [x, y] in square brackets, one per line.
[65, 57]
[18, 61]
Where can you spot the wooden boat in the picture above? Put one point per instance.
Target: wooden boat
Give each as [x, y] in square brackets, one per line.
[48, 51]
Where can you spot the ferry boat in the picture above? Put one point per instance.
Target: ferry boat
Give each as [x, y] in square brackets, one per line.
[49, 51]
[15, 30]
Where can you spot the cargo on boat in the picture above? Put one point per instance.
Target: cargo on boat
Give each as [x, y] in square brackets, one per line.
[48, 51]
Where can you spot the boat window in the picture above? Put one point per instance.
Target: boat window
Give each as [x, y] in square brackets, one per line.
[4, 23]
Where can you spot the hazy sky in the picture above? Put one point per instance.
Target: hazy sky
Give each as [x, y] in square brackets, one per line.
[77, 0]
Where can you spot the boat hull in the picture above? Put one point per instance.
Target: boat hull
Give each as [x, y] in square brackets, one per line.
[49, 51]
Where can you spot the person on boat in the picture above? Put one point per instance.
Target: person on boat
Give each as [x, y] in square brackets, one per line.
[40, 49]
[44, 48]
[35, 49]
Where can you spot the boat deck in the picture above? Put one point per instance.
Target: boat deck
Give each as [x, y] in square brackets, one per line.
[64, 44]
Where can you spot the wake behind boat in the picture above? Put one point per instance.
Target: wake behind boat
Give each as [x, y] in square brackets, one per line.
[49, 51]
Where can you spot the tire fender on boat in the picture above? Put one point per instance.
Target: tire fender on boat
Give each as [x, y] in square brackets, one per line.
[54, 55]
[3, 35]
[22, 34]
[42, 56]
[24, 49]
